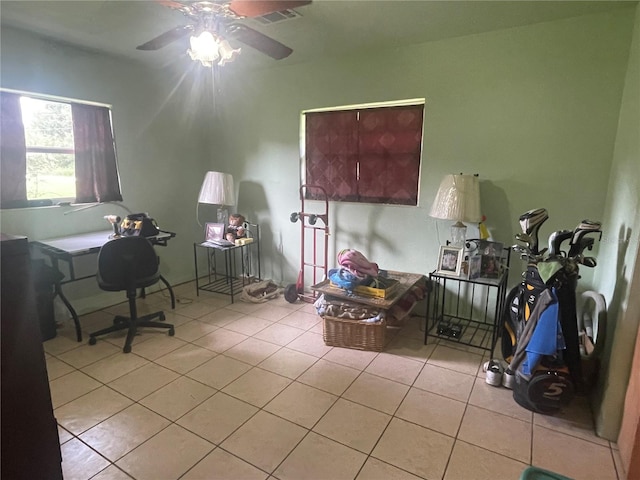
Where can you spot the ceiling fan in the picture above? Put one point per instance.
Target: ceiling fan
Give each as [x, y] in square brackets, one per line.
[215, 22]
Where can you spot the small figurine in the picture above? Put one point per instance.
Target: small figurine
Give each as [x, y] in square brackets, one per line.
[235, 229]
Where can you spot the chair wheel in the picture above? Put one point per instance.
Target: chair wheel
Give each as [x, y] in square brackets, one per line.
[117, 320]
[161, 317]
[92, 340]
[172, 332]
[127, 349]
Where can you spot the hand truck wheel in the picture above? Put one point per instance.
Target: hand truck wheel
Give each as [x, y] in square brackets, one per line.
[291, 293]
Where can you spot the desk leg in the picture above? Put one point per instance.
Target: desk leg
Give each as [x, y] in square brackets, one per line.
[173, 298]
[76, 320]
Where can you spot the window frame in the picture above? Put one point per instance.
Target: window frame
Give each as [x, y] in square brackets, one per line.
[106, 192]
[358, 197]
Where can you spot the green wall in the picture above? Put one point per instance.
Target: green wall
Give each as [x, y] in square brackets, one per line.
[532, 110]
[618, 257]
[162, 146]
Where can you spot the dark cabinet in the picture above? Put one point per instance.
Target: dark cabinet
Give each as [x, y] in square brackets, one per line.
[30, 447]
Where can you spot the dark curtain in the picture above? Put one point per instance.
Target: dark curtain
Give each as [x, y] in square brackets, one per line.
[13, 153]
[389, 144]
[332, 154]
[96, 167]
[370, 155]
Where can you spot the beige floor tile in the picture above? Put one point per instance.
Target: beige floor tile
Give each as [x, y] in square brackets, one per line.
[301, 320]
[220, 465]
[220, 340]
[244, 307]
[177, 398]
[415, 449]
[280, 301]
[193, 330]
[124, 431]
[194, 310]
[63, 435]
[571, 456]
[87, 354]
[264, 440]
[143, 381]
[216, 300]
[95, 321]
[57, 368]
[576, 420]
[60, 343]
[90, 409]
[71, 386]
[185, 358]
[252, 351]
[288, 363]
[219, 371]
[375, 469]
[457, 360]
[376, 392]
[469, 461]
[221, 317]
[115, 366]
[317, 457]
[217, 417]
[271, 312]
[396, 368]
[301, 404]
[353, 425]
[159, 345]
[329, 376]
[167, 455]
[409, 347]
[175, 319]
[433, 411]
[350, 357]
[248, 325]
[499, 433]
[279, 334]
[310, 343]
[445, 382]
[79, 462]
[111, 473]
[257, 387]
[497, 399]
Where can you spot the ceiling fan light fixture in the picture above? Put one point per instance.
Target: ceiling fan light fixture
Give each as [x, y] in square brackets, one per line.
[227, 53]
[208, 49]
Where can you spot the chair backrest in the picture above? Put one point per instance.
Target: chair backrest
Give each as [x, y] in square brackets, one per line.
[127, 263]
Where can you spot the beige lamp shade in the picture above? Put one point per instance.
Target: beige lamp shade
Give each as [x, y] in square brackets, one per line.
[458, 199]
[217, 189]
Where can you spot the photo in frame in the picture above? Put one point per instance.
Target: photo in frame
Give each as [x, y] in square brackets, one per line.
[214, 231]
[450, 260]
[491, 257]
[475, 266]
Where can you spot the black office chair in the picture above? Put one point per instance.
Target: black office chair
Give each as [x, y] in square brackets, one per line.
[129, 263]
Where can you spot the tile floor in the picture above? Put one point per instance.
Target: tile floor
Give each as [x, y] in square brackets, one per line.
[250, 391]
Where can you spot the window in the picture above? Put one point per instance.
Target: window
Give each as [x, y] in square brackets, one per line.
[48, 131]
[55, 150]
[368, 154]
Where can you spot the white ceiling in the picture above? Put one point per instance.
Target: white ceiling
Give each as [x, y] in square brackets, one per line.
[326, 28]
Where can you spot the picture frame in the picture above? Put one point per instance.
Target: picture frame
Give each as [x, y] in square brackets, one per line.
[214, 231]
[475, 267]
[490, 254]
[450, 260]
[486, 247]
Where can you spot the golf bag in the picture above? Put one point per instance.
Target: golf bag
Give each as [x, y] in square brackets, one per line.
[534, 345]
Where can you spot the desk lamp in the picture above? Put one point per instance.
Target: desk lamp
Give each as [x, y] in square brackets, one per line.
[217, 189]
[458, 199]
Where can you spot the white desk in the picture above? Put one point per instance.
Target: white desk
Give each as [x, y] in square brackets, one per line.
[68, 248]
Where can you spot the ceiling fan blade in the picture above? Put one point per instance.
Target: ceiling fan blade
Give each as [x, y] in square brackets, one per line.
[259, 41]
[166, 38]
[253, 8]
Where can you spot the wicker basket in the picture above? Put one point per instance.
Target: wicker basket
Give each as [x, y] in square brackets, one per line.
[338, 332]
